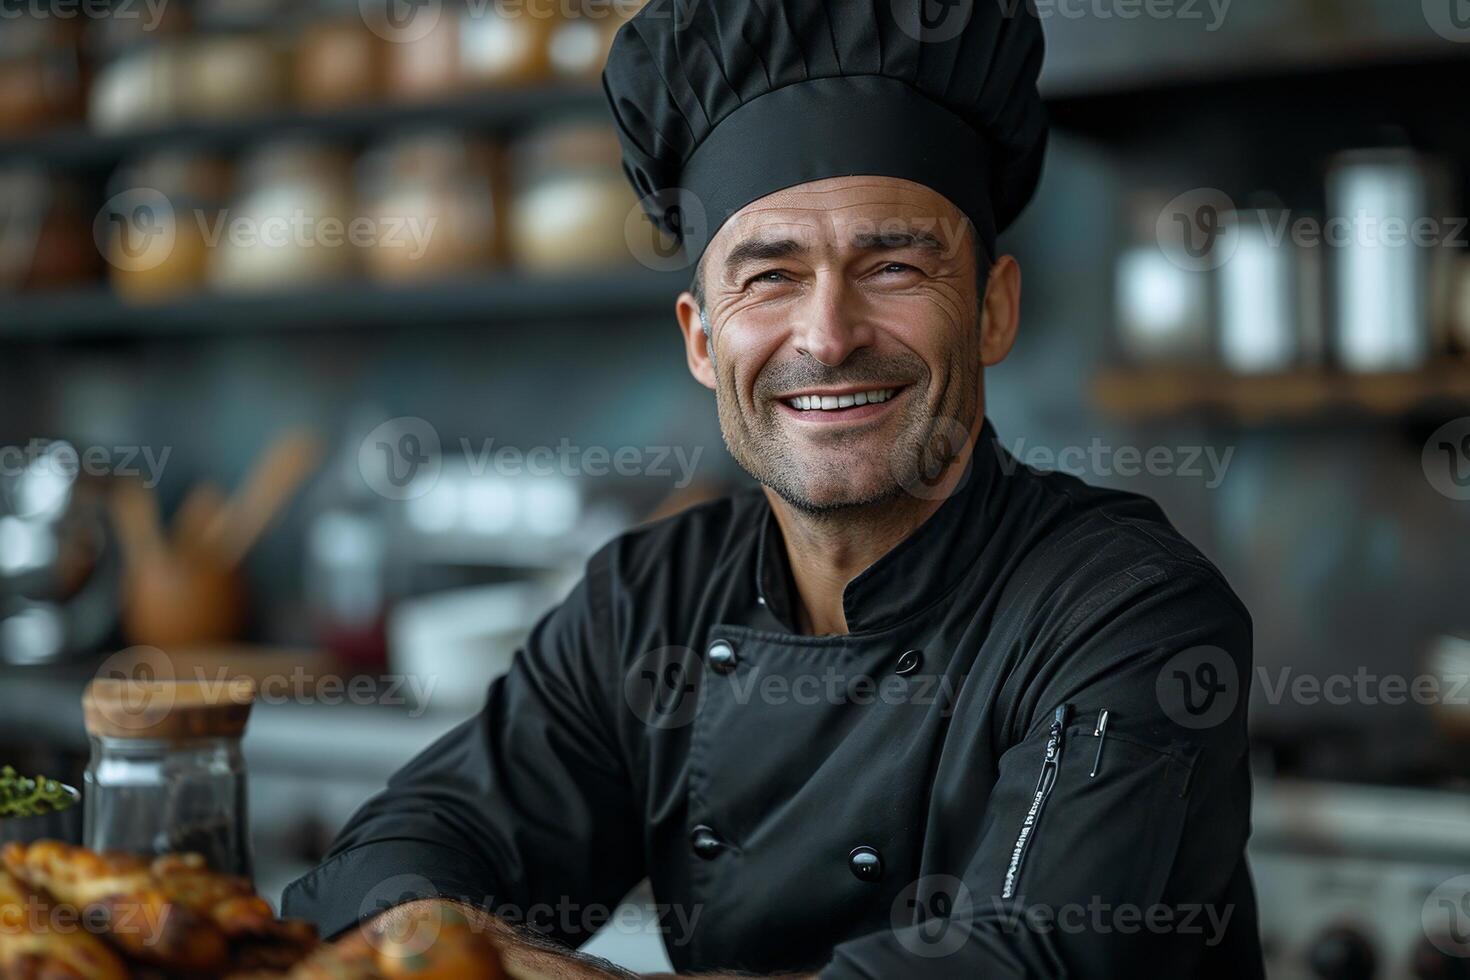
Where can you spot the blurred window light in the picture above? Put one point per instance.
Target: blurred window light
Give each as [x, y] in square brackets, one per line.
[438, 511]
[33, 635]
[491, 505]
[43, 488]
[576, 44]
[552, 508]
[24, 546]
[1382, 315]
[1158, 295]
[1257, 301]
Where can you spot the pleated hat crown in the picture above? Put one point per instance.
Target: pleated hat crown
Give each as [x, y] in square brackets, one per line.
[718, 103]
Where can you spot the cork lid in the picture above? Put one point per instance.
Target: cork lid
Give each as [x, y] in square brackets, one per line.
[128, 708]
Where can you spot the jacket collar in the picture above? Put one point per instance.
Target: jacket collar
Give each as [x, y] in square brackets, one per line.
[918, 570]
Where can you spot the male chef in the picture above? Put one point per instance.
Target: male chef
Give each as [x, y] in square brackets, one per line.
[907, 709]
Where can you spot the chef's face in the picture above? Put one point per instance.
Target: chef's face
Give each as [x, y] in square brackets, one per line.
[849, 324]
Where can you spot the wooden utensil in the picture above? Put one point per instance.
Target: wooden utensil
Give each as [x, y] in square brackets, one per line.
[183, 587]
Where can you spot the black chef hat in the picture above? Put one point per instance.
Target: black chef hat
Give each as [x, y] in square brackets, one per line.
[721, 102]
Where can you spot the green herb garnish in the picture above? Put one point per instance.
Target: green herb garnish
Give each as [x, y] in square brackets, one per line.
[22, 796]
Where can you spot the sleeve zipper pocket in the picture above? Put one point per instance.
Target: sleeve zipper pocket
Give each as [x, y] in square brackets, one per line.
[1044, 784]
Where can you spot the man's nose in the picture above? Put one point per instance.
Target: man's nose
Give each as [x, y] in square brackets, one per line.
[832, 322]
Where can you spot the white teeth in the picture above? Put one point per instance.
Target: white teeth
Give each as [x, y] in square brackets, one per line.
[830, 403]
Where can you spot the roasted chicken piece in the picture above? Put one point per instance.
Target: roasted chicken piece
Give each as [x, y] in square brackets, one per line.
[231, 902]
[172, 912]
[42, 940]
[119, 896]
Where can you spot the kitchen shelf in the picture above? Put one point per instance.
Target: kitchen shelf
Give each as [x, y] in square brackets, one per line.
[1299, 56]
[1146, 394]
[604, 295]
[78, 148]
[1409, 86]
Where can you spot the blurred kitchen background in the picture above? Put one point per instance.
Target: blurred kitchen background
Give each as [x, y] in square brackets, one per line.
[385, 453]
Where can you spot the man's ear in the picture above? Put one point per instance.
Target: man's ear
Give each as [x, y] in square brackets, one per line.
[1000, 314]
[696, 344]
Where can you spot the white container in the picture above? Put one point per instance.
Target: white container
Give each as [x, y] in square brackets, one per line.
[1260, 296]
[462, 640]
[1382, 276]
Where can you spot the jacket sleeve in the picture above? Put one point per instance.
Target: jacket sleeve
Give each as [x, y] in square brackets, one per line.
[1137, 870]
[525, 809]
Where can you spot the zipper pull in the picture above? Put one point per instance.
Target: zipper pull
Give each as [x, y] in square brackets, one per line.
[1058, 723]
[1044, 784]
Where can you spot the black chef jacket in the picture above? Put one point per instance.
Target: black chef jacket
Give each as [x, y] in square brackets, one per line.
[901, 801]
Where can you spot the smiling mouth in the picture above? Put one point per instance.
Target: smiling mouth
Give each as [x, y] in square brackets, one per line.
[837, 403]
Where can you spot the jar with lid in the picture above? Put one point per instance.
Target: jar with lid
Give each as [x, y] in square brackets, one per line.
[166, 773]
[572, 204]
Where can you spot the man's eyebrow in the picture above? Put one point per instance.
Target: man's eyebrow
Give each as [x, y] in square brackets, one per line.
[760, 250]
[894, 240]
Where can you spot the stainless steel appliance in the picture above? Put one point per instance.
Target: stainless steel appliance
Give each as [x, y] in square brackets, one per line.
[1361, 881]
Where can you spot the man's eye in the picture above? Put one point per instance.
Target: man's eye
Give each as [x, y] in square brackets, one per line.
[897, 268]
[769, 276]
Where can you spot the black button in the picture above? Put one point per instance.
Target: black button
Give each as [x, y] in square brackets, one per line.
[705, 842]
[721, 657]
[866, 864]
[908, 661]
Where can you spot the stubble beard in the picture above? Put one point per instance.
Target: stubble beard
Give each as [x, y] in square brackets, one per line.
[826, 488]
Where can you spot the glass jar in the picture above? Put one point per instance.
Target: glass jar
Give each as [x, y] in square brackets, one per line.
[166, 773]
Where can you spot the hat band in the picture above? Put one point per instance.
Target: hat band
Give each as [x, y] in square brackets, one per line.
[859, 125]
